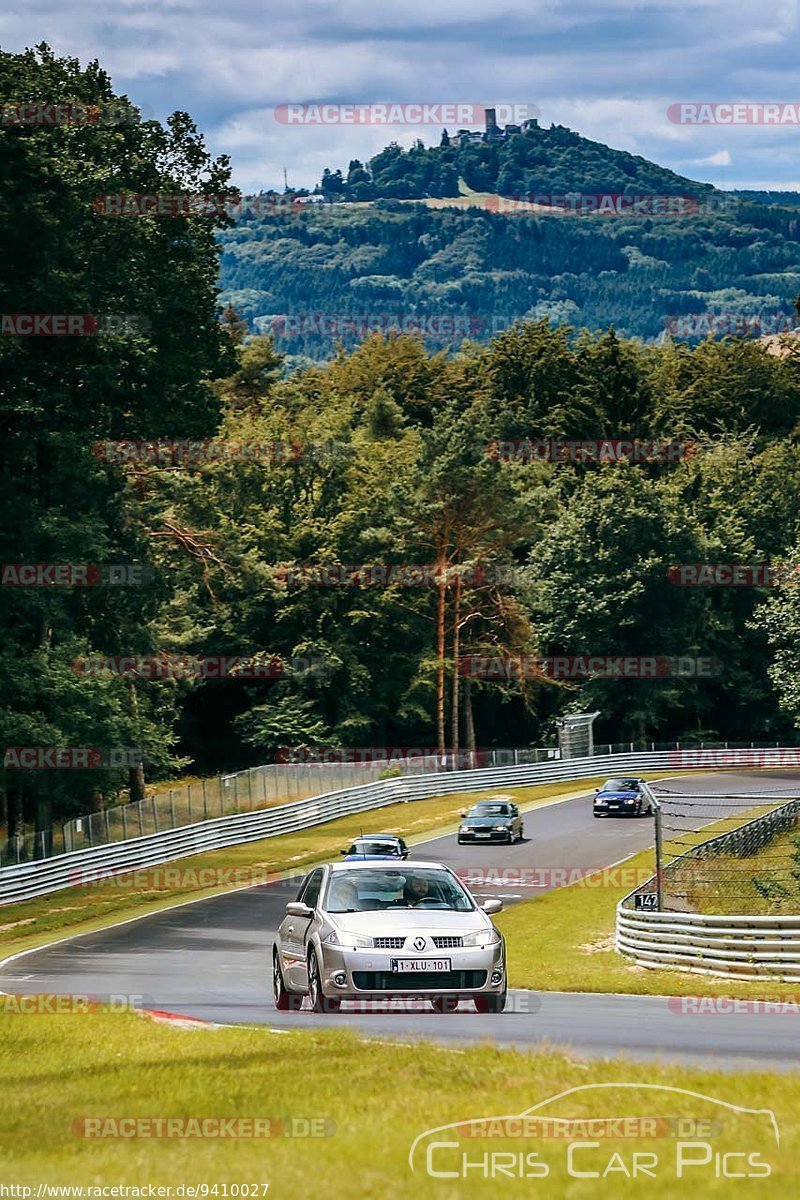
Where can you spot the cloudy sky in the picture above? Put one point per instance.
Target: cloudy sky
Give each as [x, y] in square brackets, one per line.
[606, 68]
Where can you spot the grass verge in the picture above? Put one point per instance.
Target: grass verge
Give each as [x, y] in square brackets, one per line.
[376, 1099]
[564, 941]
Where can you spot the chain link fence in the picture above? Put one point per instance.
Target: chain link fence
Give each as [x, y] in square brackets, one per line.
[274, 784]
[239, 792]
[728, 852]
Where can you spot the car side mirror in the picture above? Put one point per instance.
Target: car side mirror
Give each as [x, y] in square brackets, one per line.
[295, 908]
[343, 852]
[492, 906]
[463, 814]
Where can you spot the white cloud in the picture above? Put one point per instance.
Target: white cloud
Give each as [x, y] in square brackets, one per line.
[607, 68]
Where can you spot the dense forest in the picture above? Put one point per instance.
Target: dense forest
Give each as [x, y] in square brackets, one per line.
[393, 460]
[550, 161]
[327, 276]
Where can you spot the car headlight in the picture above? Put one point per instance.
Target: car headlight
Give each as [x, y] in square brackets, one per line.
[356, 940]
[499, 828]
[631, 800]
[484, 937]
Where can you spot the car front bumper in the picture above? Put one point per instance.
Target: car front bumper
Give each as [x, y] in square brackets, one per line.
[485, 835]
[616, 806]
[367, 974]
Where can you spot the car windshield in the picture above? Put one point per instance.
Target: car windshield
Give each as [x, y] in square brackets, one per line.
[620, 785]
[364, 891]
[486, 809]
[388, 848]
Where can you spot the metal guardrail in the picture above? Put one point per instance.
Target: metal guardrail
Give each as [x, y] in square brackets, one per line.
[731, 946]
[38, 878]
[726, 945]
[238, 792]
[273, 784]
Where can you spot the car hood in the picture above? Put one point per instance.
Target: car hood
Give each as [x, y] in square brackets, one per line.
[486, 822]
[409, 920]
[617, 795]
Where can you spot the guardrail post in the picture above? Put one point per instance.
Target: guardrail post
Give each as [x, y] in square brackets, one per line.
[250, 790]
[155, 813]
[141, 819]
[172, 808]
[124, 823]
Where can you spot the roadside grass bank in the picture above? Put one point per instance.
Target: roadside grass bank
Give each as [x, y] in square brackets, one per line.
[763, 884]
[93, 905]
[67, 1076]
[563, 941]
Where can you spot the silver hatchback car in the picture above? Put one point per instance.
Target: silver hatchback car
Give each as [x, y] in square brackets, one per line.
[369, 931]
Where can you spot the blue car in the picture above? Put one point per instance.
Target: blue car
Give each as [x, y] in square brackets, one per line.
[376, 846]
[625, 796]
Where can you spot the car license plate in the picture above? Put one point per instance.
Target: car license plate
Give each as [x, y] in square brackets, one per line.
[483, 835]
[420, 964]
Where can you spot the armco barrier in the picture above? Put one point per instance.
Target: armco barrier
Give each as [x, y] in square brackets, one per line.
[732, 946]
[38, 878]
[729, 945]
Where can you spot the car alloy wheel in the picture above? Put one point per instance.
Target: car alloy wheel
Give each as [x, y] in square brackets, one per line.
[319, 1002]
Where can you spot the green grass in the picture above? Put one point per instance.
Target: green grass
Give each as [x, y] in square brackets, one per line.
[762, 884]
[94, 905]
[379, 1097]
[564, 941]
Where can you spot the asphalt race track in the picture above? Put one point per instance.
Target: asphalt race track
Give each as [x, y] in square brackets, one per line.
[212, 959]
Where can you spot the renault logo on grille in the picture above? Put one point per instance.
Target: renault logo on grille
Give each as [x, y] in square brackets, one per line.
[419, 943]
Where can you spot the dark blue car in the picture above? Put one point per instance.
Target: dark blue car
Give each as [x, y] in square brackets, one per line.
[376, 845]
[625, 796]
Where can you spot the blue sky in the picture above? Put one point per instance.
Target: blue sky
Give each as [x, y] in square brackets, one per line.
[606, 68]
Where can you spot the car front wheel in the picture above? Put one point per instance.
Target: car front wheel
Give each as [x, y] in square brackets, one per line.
[319, 1002]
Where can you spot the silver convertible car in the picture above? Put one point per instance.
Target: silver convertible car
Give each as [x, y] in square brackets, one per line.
[369, 931]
